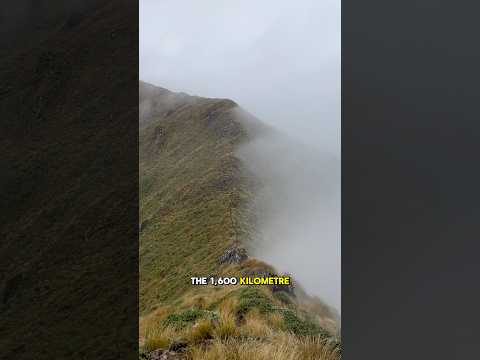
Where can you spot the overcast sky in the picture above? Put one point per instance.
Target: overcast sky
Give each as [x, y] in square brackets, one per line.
[280, 60]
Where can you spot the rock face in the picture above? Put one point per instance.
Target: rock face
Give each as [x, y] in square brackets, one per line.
[233, 255]
[289, 289]
[178, 346]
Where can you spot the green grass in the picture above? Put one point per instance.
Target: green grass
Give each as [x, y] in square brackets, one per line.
[302, 327]
[253, 298]
[187, 317]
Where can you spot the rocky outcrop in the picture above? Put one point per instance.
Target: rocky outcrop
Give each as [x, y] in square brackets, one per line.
[233, 255]
[161, 354]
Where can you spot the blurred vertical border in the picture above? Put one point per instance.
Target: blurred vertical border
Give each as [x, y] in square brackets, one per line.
[69, 179]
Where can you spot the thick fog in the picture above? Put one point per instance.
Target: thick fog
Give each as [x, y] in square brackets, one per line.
[298, 207]
[280, 60]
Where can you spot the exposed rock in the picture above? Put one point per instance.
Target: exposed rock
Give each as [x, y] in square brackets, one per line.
[178, 346]
[161, 354]
[233, 255]
[289, 289]
[159, 136]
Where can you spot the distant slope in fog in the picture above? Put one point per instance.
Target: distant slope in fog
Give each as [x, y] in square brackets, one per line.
[298, 206]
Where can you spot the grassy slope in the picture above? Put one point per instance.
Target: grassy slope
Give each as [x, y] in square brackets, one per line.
[195, 199]
[192, 196]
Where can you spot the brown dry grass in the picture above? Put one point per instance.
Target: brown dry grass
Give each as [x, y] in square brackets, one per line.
[252, 265]
[227, 324]
[159, 338]
[276, 322]
[255, 326]
[201, 331]
[280, 347]
[153, 320]
[226, 336]
[204, 298]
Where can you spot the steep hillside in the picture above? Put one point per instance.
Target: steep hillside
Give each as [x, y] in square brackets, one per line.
[193, 191]
[197, 217]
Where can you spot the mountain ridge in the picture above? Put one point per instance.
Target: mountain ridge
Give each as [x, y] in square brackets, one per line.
[197, 208]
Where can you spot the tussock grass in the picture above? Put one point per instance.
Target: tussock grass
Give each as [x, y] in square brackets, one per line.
[255, 326]
[238, 327]
[226, 328]
[153, 320]
[312, 348]
[201, 331]
[228, 306]
[276, 322]
[227, 324]
[159, 338]
[282, 347]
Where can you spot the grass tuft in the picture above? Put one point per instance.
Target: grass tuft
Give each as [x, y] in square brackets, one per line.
[227, 327]
[276, 322]
[159, 338]
[281, 347]
[255, 326]
[201, 331]
[301, 327]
